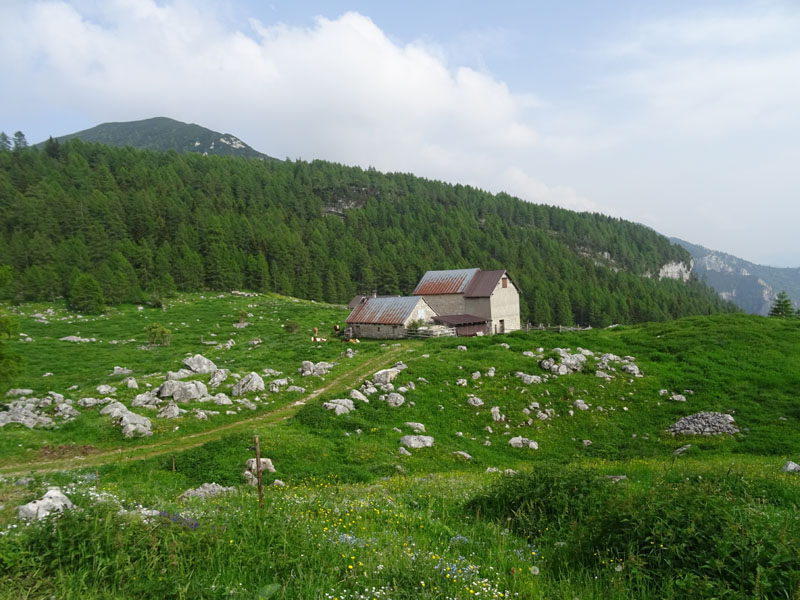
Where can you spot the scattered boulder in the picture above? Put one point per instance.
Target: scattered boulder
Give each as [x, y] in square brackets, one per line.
[89, 402]
[474, 401]
[252, 382]
[182, 391]
[496, 415]
[705, 423]
[222, 399]
[276, 385]
[340, 406]
[404, 452]
[461, 348]
[105, 390]
[148, 399]
[207, 490]
[19, 392]
[417, 441]
[462, 454]
[131, 383]
[461, 382]
[528, 379]
[791, 467]
[678, 398]
[522, 442]
[476, 375]
[417, 427]
[296, 388]
[54, 501]
[395, 400]
[179, 374]
[133, 425]
[217, 377]
[356, 395]
[490, 372]
[385, 376]
[121, 371]
[682, 449]
[170, 411]
[580, 404]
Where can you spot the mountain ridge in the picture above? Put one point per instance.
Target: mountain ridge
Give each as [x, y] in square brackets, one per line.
[750, 286]
[163, 134]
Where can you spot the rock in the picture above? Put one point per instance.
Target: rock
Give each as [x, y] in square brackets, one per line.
[66, 412]
[587, 442]
[207, 490]
[225, 345]
[528, 379]
[395, 400]
[222, 399]
[147, 399]
[504, 345]
[496, 416]
[349, 353]
[272, 372]
[462, 454]
[663, 392]
[133, 425]
[404, 452]
[276, 385]
[492, 470]
[461, 382]
[115, 409]
[170, 411]
[182, 391]
[340, 406]
[791, 467]
[632, 369]
[266, 465]
[179, 374]
[474, 401]
[131, 383]
[121, 371]
[461, 348]
[603, 375]
[246, 403]
[522, 442]
[105, 390]
[217, 377]
[678, 398]
[356, 395]
[417, 441]
[19, 392]
[616, 478]
[476, 375]
[385, 376]
[490, 372]
[322, 368]
[705, 423]
[54, 501]
[89, 402]
[681, 450]
[75, 338]
[417, 427]
[252, 382]
[580, 404]
[296, 388]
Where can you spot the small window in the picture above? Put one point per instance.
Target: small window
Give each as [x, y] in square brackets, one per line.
[505, 282]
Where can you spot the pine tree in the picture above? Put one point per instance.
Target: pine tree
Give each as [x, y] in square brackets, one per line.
[782, 307]
[86, 296]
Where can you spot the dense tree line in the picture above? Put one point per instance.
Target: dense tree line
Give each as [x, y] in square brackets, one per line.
[97, 225]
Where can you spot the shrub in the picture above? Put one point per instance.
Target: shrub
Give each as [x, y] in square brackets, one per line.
[291, 326]
[158, 335]
[720, 536]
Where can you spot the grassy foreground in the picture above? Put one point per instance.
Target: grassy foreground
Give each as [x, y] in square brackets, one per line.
[358, 520]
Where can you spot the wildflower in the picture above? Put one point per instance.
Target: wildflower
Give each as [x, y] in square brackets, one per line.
[534, 570]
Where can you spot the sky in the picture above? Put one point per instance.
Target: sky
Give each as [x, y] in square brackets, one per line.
[679, 115]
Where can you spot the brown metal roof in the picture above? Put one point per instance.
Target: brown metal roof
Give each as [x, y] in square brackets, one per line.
[460, 319]
[384, 311]
[357, 299]
[483, 284]
[445, 282]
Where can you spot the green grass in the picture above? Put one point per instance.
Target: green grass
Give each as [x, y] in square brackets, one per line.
[724, 512]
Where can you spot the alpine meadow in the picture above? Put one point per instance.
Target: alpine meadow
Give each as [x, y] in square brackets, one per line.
[182, 415]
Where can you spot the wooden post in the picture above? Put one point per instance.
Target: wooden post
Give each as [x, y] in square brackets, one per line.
[173, 463]
[96, 480]
[258, 474]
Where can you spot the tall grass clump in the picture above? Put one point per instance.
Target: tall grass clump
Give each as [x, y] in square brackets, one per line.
[687, 536]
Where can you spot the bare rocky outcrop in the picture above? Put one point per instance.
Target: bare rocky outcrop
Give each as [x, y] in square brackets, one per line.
[218, 377]
[182, 391]
[133, 425]
[385, 376]
[199, 364]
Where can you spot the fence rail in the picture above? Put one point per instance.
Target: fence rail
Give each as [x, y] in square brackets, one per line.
[432, 332]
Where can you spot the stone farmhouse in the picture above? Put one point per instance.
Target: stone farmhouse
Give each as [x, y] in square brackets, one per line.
[472, 301]
[388, 317]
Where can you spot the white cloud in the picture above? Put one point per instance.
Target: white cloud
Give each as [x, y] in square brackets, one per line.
[340, 89]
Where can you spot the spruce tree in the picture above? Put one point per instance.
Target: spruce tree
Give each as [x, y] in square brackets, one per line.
[85, 295]
[782, 307]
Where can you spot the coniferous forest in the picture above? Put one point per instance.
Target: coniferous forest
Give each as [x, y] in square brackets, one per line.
[101, 225]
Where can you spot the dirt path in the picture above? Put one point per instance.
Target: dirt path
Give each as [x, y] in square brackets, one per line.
[197, 439]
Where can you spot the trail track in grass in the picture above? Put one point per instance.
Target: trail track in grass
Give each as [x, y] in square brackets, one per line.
[197, 439]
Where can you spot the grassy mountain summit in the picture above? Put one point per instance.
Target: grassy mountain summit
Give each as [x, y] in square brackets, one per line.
[162, 134]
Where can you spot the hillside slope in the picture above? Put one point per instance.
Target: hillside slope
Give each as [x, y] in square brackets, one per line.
[143, 223]
[751, 287]
[162, 134]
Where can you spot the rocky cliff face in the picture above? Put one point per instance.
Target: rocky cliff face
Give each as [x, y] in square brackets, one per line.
[676, 270]
[750, 286]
